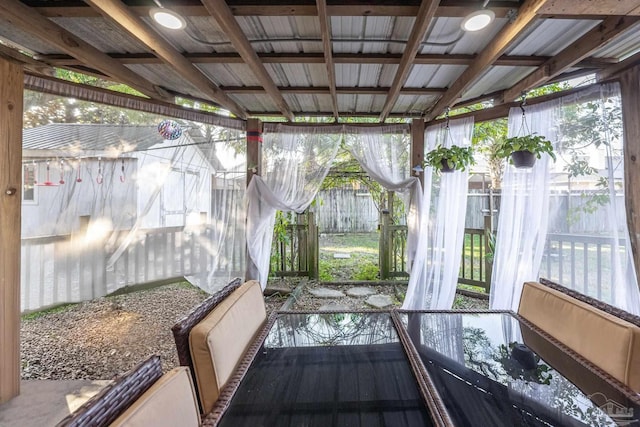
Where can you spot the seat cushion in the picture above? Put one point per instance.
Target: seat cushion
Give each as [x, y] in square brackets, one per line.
[169, 402]
[220, 340]
[605, 340]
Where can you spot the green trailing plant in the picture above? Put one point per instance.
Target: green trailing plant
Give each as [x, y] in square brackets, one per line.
[455, 157]
[536, 144]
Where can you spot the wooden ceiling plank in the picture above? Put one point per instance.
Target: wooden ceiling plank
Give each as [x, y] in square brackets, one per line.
[31, 22]
[495, 48]
[599, 36]
[119, 14]
[229, 25]
[418, 32]
[325, 31]
[324, 90]
[599, 7]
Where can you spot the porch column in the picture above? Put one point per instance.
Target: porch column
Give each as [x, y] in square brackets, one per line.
[417, 146]
[254, 167]
[630, 89]
[11, 88]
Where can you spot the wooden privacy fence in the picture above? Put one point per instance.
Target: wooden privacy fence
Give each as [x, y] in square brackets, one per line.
[73, 268]
[296, 253]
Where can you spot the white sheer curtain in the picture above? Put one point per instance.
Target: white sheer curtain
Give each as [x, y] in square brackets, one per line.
[296, 160]
[566, 221]
[524, 212]
[384, 152]
[433, 280]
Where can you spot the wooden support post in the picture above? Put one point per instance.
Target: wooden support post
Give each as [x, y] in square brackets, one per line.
[630, 88]
[11, 93]
[488, 264]
[417, 147]
[254, 165]
[313, 260]
[385, 249]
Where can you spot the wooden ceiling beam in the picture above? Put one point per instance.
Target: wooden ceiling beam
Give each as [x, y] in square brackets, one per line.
[324, 90]
[561, 8]
[338, 58]
[447, 8]
[119, 14]
[615, 69]
[599, 36]
[325, 31]
[495, 48]
[418, 32]
[31, 22]
[229, 25]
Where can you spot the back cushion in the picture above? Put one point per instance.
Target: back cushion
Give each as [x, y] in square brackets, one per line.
[220, 340]
[170, 402]
[603, 339]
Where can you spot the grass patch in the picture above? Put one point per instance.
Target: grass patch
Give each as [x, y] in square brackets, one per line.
[368, 271]
[57, 309]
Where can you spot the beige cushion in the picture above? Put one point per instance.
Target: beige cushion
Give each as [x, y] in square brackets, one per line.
[220, 340]
[170, 402]
[605, 340]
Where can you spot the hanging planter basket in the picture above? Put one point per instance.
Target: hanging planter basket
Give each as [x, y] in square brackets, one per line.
[445, 166]
[523, 159]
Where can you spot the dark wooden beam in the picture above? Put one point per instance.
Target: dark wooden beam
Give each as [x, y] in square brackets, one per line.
[420, 26]
[229, 25]
[447, 8]
[31, 22]
[599, 36]
[330, 114]
[118, 13]
[324, 90]
[495, 48]
[338, 58]
[325, 31]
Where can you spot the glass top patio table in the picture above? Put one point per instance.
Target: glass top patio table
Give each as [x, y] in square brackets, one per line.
[492, 369]
[329, 369]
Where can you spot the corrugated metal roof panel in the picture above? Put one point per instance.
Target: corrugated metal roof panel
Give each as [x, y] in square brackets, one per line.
[369, 28]
[309, 103]
[446, 36]
[549, 37]
[254, 102]
[497, 78]
[230, 74]
[435, 76]
[282, 27]
[165, 76]
[622, 47]
[200, 31]
[360, 103]
[413, 103]
[13, 35]
[101, 34]
[298, 74]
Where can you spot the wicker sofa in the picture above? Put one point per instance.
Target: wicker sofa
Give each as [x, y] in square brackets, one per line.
[215, 336]
[605, 336]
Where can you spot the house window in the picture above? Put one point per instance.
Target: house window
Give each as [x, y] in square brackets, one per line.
[29, 183]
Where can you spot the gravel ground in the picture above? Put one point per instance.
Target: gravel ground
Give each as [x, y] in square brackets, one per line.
[103, 338]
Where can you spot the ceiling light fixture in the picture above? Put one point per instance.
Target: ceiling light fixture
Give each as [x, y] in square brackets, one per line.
[167, 18]
[479, 19]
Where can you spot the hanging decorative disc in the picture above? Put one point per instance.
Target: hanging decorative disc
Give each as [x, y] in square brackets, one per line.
[169, 129]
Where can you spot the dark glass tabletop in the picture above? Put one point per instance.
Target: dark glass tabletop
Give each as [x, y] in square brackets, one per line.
[492, 370]
[345, 369]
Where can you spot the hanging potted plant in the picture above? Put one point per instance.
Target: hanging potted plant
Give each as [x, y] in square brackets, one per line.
[524, 150]
[450, 159]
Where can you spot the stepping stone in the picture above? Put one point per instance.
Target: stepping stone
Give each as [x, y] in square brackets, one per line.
[360, 291]
[277, 288]
[342, 256]
[333, 306]
[379, 301]
[326, 293]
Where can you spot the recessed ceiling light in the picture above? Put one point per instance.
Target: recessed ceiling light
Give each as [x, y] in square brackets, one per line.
[478, 20]
[167, 18]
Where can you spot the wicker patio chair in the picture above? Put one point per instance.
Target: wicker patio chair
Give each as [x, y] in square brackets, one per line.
[103, 408]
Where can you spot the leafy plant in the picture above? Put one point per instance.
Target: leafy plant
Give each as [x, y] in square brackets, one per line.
[456, 157]
[367, 271]
[536, 144]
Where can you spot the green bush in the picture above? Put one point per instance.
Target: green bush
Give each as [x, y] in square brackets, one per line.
[324, 274]
[367, 271]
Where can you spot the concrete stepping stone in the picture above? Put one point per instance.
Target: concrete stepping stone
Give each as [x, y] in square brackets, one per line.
[342, 256]
[333, 306]
[277, 288]
[360, 291]
[379, 301]
[326, 293]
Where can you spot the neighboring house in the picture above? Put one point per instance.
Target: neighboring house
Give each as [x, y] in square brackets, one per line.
[121, 175]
